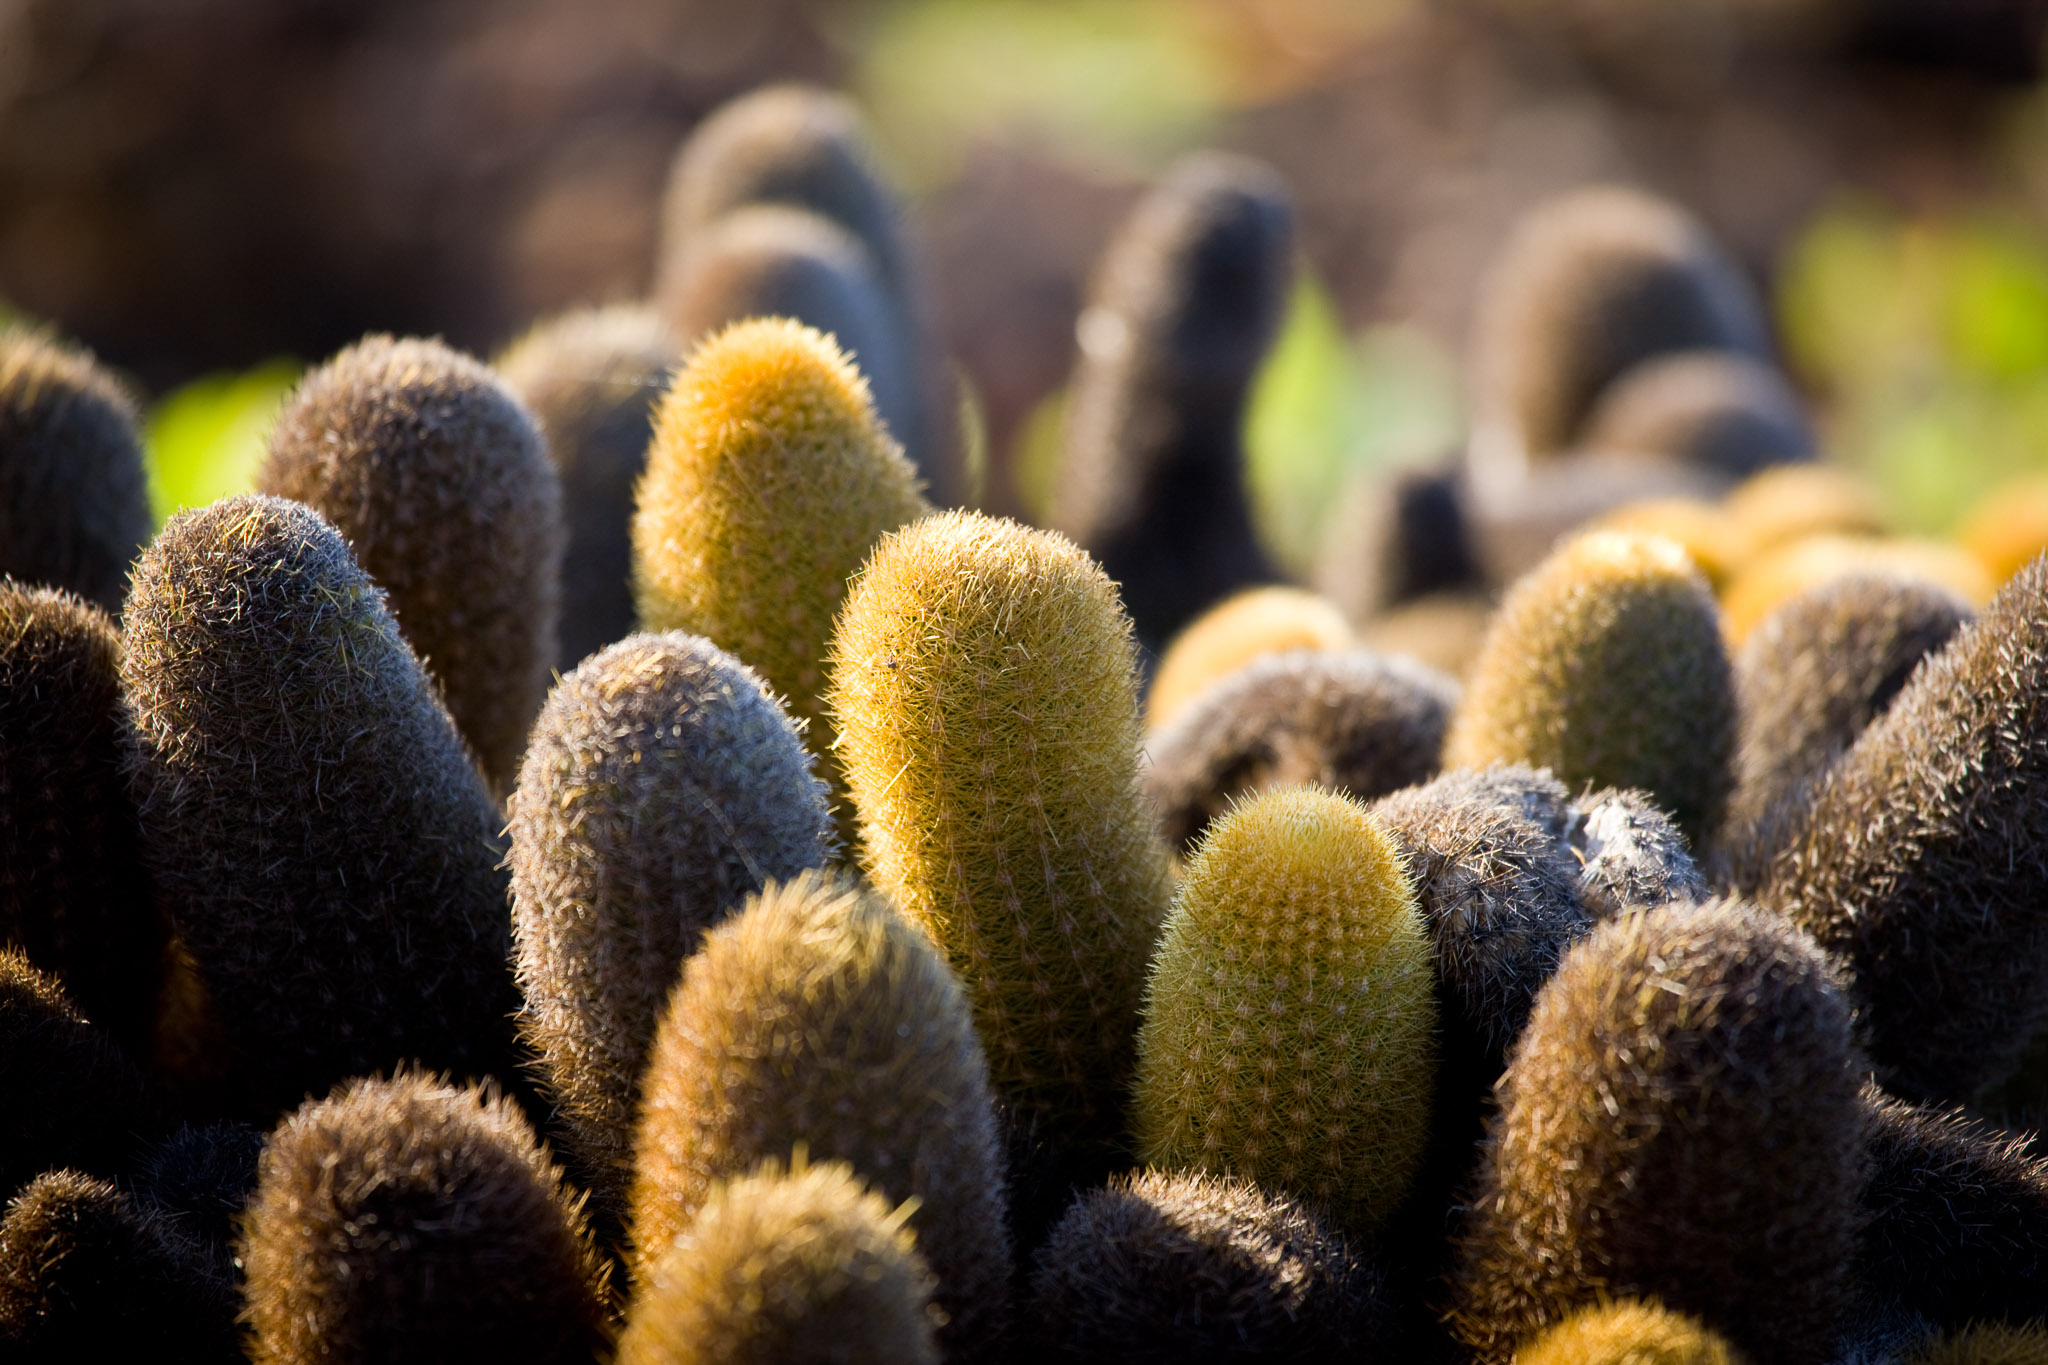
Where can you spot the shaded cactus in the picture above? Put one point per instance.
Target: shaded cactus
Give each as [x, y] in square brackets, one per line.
[1809, 680]
[1591, 283]
[408, 1220]
[1687, 1089]
[1605, 665]
[1499, 894]
[1233, 633]
[1922, 859]
[1289, 1031]
[74, 498]
[326, 849]
[767, 261]
[805, 1268]
[74, 895]
[662, 787]
[435, 475]
[1395, 538]
[983, 687]
[820, 1018]
[1357, 722]
[72, 1098]
[1630, 1332]
[88, 1274]
[1718, 410]
[1986, 1343]
[768, 482]
[1159, 1268]
[199, 1179]
[1631, 857]
[1186, 299]
[1956, 1218]
[591, 378]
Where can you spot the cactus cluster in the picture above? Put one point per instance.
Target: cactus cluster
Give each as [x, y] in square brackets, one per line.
[662, 787]
[434, 474]
[819, 1019]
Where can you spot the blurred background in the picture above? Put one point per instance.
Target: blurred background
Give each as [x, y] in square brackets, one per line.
[213, 193]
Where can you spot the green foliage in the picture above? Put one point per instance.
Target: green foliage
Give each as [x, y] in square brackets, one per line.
[1931, 338]
[204, 441]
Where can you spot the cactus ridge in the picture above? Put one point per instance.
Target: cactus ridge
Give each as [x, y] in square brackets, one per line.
[663, 785]
[410, 1220]
[1161, 1267]
[74, 894]
[1290, 1020]
[326, 849]
[818, 1016]
[74, 495]
[808, 1267]
[434, 473]
[984, 690]
[1354, 721]
[1923, 857]
[1681, 1119]
[591, 379]
[1605, 664]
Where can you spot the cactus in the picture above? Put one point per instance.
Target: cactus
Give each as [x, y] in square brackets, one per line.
[1591, 283]
[1717, 410]
[663, 785]
[74, 498]
[769, 480]
[820, 1017]
[1956, 1217]
[1700, 528]
[767, 261]
[1499, 894]
[72, 1098]
[1922, 859]
[1809, 680]
[982, 683]
[199, 1179]
[1777, 506]
[1776, 577]
[88, 1274]
[591, 378]
[434, 473]
[1681, 1119]
[1158, 1268]
[2008, 527]
[74, 894]
[1605, 665]
[1631, 857]
[1357, 722]
[1186, 300]
[1394, 538]
[409, 1220]
[1234, 632]
[1986, 1343]
[1443, 630]
[1631, 1332]
[808, 1268]
[326, 849]
[1289, 1031]
[1515, 524]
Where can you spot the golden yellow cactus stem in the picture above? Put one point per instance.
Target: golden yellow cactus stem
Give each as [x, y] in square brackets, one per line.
[769, 480]
[1290, 1023]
